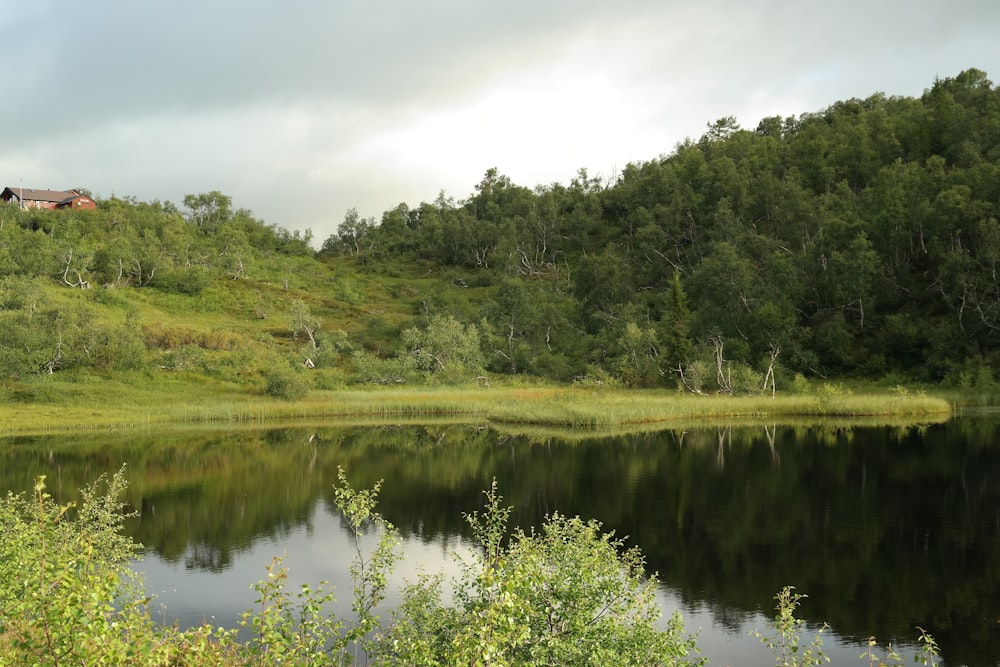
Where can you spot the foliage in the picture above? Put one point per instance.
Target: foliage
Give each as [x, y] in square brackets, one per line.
[859, 240]
[569, 595]
[786, 643]
[68, 594]
[300, 629]
[287, 630]
[445, 348]
[370, 369]
[281, 381]
[370, 573]
[303, 321]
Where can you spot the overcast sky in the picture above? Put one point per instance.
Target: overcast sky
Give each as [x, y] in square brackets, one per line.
[302, 109]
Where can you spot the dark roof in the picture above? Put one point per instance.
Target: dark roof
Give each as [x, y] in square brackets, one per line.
[31, 194]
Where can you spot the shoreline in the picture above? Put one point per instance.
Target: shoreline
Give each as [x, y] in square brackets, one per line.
[502, 407]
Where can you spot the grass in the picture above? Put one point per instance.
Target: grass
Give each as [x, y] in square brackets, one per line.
[178, 399]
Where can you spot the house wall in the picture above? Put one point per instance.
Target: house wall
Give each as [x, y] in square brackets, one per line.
[78, 202]
[81, 202]
[47, 205]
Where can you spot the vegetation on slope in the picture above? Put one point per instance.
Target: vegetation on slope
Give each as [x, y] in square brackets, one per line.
[858, 241]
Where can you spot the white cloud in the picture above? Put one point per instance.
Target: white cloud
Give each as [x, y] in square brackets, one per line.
[302, 110]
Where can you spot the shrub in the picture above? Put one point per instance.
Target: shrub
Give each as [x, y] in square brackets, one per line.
[158, 335]
[973, 375]
[786, 643]
[746, 380]
[61, 567]
[184, 358]
[347, 290]
[370, 369]
[830, 394]
[799, 385]
[285, 383]
[569, 594]
[445, 349]
[191, 280]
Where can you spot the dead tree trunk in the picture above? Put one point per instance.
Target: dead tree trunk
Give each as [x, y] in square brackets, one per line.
[769, 376]
[723, 373]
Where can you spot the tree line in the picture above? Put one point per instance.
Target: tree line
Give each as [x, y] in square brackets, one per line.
[862, 239]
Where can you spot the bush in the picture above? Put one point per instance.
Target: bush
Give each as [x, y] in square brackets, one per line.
[285, 383]
[61, 568]
[191, 281]
[370, 369]
[330, 379]
[445, 350]
[799, 385]
[570, 594]
[790, 650]
[973, 375]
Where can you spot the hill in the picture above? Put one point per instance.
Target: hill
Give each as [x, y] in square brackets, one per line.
[861, 240]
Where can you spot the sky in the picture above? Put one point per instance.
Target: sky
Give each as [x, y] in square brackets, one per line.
[302, 109]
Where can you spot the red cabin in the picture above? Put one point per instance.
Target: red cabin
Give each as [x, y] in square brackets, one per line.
[47, 199]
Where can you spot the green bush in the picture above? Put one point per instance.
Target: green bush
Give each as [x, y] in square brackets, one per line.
[370, 369]
[68, 594]
[799, 385]
[973, 375]
[569, 594]
[191, 280]
[285, 383]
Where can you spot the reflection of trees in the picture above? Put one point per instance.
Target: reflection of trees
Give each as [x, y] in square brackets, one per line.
[202, 498]
[880, 529]
[884, 528]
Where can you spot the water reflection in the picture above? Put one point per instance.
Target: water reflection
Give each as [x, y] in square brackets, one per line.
[885, 528]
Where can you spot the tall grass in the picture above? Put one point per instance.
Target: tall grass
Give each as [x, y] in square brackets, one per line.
[190, 400]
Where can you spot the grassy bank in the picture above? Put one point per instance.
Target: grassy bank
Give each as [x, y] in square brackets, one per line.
[137, 403]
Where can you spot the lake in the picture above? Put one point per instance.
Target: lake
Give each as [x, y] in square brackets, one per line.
[885, 528]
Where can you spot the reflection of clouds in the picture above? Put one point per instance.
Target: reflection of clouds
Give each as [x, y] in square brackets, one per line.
[322, 550]
[319, 550]
[723, 635]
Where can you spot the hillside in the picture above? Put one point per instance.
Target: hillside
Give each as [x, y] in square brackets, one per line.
[861, 240]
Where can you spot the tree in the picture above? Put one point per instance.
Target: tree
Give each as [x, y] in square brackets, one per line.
[351, 234]
[721, 130]
[728, 286]
[601, 283]
[674, 325]
[303, 321]
[445, 349]
[635, 354]
[529, 328]
[208, 209]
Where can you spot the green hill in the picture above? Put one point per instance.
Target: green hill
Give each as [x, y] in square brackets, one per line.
[857, 241]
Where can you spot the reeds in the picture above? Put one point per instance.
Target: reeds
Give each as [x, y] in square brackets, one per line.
[194, 401]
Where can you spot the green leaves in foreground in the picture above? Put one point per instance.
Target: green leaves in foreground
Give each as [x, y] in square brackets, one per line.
[68, 595]
[566, 595]
[791, 650]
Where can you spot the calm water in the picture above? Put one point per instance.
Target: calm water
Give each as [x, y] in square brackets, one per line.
[884, 528]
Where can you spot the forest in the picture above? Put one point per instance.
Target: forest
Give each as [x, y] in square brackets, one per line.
[858, 241]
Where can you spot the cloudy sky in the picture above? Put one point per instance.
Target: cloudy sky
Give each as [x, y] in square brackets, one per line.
[302, 109]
